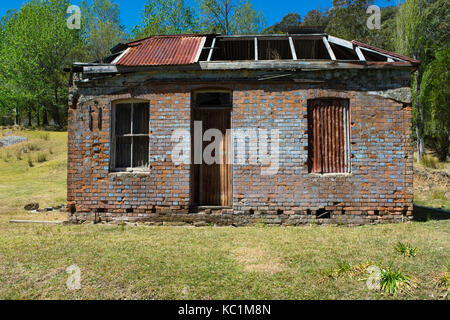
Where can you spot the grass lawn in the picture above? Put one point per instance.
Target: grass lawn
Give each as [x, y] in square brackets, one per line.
[139, 262]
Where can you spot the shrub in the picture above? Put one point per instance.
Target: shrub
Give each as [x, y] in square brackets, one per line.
[438, 195]
[405, 249]
[41, 157]
[6, 156]
[444, 280]
[44, 135]
[430, 162]
[32, 147]
[29, 161]
[393, 281]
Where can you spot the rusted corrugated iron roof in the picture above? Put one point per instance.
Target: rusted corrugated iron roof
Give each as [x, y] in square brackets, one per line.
[163, 50]
[389, 53]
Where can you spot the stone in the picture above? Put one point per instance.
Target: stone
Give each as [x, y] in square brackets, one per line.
[31, 206]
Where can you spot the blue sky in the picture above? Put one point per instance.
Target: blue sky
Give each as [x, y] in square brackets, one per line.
[274, 10]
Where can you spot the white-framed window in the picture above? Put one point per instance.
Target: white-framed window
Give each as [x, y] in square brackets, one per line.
[130, 135]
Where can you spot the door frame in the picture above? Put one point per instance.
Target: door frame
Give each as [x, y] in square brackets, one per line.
[195, 168]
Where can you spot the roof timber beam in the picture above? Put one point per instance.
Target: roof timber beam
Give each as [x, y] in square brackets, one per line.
[211, 50]
[340, 42]
[330, 51]
[246, 65]
[360, 54]
[298, 65]
[271, 37]
[291, 44]
[383, 54]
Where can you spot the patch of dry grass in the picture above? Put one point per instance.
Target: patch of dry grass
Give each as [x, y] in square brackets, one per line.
[256, 260]
[432, 186]
[32, 173]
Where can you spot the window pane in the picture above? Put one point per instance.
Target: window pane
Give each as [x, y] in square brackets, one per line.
[140, 118]
[140, 151]
[123, 119]
[123, 152]
[211, 99]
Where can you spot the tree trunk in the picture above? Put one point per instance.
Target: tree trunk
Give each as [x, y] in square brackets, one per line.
[55, 111]
[44, 118]
[29, 117]
[38, 118]
[420, 120]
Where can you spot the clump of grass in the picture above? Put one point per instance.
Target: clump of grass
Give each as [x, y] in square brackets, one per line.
[30, 161]
[345, 268]
[405, 249]
[394, 280]
[444, 280]
[44, 135]
[32, 147]
[430, 161]
[19, 155]
[6, 156]
[438, 195]
[41, 157]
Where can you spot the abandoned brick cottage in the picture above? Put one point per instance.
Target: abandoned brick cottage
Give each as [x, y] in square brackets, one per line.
[341, 109]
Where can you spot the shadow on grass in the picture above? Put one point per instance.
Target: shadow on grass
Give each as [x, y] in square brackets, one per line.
[424, 214]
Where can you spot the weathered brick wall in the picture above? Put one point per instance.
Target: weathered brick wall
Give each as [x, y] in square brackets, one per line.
[380, 182]
[379, 187]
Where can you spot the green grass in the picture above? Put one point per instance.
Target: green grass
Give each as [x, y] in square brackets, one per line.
[405, 249]
[140, 262]
[32, 173]
[430, 161]
[394, 280]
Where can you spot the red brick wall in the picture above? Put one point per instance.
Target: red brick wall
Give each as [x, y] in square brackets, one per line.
[379, 186]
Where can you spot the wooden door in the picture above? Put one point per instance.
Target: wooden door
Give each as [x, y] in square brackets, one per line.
[214, 180]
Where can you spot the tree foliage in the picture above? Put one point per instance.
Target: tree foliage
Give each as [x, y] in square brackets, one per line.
[435, 94]
[230, 17]
[288, 21]
[166, 17]
[101, 28]
[36, 46]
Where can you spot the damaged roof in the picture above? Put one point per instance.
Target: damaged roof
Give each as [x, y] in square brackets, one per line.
[162, 50]
[300, 50]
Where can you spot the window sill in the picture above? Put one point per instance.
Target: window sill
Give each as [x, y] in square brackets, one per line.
[129, 172]
[326, 175]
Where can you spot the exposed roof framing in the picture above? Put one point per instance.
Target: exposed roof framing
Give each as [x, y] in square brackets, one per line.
[233, 52]
[330, 51]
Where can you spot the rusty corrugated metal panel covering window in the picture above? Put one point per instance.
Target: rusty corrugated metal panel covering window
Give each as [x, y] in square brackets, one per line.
[163, 50]
[328, 136]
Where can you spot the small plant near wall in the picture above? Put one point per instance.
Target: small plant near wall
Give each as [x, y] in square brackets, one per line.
[405, 249]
